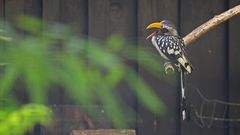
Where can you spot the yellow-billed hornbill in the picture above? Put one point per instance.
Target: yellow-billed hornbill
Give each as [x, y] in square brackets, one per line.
[170, 45]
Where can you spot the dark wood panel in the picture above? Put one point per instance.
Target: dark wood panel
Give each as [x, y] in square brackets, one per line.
[33, 7]
[51, 10]
[102, 18]
[151, 11]
[75, 13]
[107, 17]
[98, 19]
[2, 9]
[51, 13]
[208, 54]
[234, 66]
[66, 118]
[112, 16]
[13, 8]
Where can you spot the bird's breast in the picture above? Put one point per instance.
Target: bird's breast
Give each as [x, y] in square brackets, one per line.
[159, 48]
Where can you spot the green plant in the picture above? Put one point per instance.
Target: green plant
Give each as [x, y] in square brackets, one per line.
[89, 71]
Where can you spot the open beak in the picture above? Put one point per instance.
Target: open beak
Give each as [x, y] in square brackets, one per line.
[152, 34]
[157, 25]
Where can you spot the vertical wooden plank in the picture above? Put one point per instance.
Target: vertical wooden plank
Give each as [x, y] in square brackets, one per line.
[56, 96]
[113, 16]
[1, 9]
[150, 11]
[13, 8]
[51, 13]
[2, 12]
[75, 13]
[33, 7]
[51, 10]
[72, 13]
[99, 19]
[234, 72]
[66, 118]
[208, 55]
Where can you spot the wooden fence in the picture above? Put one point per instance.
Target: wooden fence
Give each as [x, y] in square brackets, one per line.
[215, 56]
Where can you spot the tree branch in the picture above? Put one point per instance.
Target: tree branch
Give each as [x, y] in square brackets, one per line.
[204, 28]
[210, 24]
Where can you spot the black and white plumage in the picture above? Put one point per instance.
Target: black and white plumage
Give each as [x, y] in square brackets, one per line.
[170, 45]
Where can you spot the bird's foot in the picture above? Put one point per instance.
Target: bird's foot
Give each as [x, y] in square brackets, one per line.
[168, 67]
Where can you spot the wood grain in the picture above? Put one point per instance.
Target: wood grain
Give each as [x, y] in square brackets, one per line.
[214, 55]
[51, 10]
[210, 24]
[1, 9]
[17, 5]
[107, 17]
[75, 14]
[112, 16]
[208, 55]
[33, 8]
[150, 11]
[234, 72]
[104, 132]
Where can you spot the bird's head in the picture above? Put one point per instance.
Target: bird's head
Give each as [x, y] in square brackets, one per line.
[164, 27]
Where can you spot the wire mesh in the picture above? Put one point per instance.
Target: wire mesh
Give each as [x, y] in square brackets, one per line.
[213, 112]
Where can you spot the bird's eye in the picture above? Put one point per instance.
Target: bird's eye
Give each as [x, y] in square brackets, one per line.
[164, 30]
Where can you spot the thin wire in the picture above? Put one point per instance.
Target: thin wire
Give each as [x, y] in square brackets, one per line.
[209, 121]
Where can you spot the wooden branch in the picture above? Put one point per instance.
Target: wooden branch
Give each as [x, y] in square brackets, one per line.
[204, 28]
[207, 26]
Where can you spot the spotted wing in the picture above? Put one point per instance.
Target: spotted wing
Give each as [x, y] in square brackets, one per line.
[173, 48]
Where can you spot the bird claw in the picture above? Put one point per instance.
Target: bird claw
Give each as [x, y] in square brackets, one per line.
[169, 68]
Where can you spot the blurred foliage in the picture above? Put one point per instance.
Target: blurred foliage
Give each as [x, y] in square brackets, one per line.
[41, 55]
[19, 121]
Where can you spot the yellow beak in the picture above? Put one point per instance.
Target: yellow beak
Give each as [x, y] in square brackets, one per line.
[155, 25]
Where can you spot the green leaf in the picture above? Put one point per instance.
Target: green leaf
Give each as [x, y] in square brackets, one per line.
[24, 119]
[30, 24]
[5, 38]
[145, 94]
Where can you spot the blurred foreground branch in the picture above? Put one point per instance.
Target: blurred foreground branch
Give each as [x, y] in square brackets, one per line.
[210, 24]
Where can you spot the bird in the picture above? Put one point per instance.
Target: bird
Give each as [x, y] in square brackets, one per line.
[170, 45]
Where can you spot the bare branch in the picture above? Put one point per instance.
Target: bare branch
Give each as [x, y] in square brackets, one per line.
[207, 26]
